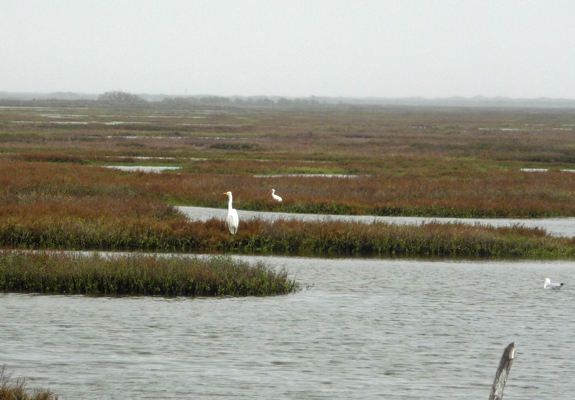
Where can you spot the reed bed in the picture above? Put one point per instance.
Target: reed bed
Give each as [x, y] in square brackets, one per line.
[15, 389]
[282, 237]
[64, 273]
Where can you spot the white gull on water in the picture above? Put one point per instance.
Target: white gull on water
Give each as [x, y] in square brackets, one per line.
[551, 285]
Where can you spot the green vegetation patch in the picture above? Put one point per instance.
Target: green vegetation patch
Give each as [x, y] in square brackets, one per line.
[61, 273]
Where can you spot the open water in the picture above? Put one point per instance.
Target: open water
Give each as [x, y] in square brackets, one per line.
[360, 329]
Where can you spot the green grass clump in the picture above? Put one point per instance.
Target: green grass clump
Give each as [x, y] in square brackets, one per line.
[11, 389]
[61, 273]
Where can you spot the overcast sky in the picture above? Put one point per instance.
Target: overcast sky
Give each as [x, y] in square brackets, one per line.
[292, 48]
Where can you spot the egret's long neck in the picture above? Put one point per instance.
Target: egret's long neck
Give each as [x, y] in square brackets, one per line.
[230, 202]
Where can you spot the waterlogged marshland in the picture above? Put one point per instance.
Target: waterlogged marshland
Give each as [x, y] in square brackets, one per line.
[454, 167]
[366, 328]
[68, 206]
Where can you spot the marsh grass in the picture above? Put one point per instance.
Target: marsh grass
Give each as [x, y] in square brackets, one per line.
[495, 193]
[283, 237]
[69, 206]
[414, 161]
[64, 273]
[53, 157]
[264, 167]
[15, 389]
[381, 239]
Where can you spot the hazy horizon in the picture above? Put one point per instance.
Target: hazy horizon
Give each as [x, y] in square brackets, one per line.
[366, 48]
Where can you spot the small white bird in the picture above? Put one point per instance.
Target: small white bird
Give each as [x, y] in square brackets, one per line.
[551, 285]
[232, 221]
[275, 196]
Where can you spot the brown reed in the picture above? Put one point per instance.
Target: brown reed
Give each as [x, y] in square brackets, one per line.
[15, 389]
[112, 232]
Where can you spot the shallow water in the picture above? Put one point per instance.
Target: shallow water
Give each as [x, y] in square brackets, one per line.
[385, 329]
[141, 168]
[310, 176]
[554, 226]
[544, 170]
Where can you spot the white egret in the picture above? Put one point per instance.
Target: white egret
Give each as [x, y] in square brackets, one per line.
[551, 285]
[275, 196]
[232, 221]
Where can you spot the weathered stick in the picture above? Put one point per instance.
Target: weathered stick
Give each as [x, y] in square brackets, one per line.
[502, 372]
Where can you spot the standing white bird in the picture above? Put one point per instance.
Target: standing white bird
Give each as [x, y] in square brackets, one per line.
[232, 221]
[275, 196]
[551, 285]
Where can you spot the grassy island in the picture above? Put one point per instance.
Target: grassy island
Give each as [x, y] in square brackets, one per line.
[64, 273]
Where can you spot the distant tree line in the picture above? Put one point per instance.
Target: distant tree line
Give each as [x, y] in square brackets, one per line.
[238, 101]
[124, 99]
[117, 98]
[120, 99]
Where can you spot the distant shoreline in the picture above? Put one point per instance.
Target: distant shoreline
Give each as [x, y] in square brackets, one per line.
[455, 101]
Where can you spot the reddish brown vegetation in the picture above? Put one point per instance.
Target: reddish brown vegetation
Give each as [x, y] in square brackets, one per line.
[285, 237]
[430, 162]
[497, 194]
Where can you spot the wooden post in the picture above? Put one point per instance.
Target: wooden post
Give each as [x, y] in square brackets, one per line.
[502, 372]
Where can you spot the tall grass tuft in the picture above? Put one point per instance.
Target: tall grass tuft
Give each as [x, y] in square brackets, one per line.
[42, 272]
[11, 389]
